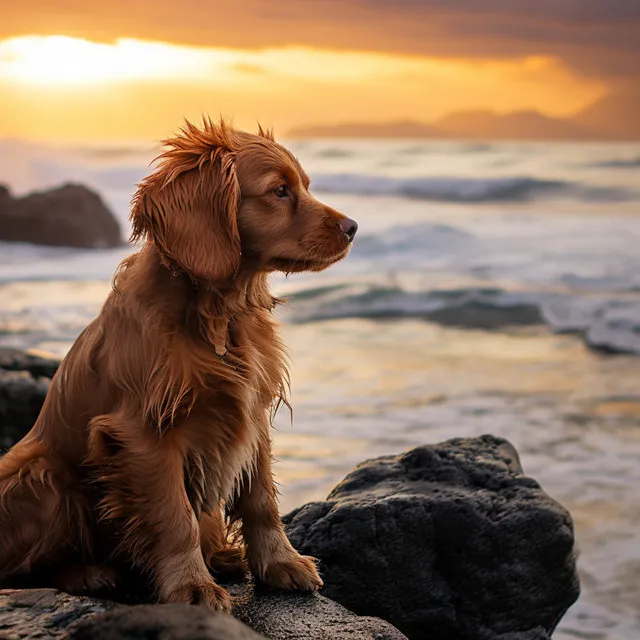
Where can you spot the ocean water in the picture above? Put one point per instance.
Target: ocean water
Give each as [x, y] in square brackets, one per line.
[492, 288]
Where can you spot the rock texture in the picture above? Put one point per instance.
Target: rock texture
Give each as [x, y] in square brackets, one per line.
[43, 613]
[69, 216]
[48, 614]
[162, 622]
[446, 541]
[24, 382]
[287, 616]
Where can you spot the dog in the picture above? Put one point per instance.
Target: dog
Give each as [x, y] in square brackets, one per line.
[153, 442]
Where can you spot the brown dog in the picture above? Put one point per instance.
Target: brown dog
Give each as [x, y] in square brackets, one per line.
[157, 421]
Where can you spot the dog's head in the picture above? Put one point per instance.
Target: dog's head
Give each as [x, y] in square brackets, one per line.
[222, 200]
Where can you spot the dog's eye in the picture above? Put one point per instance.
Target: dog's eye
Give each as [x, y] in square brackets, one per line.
[281, 191]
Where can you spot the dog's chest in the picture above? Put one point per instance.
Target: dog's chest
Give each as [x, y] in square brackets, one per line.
[232, 422]
[218, 470]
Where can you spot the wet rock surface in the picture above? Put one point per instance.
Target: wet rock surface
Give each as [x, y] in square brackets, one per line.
[450, 538]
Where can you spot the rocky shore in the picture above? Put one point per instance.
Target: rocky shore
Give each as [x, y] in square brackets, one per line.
[442, 542]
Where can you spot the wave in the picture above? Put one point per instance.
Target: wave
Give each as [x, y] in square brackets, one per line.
[616, 329]
[621, 163]
[334, 152]
[605, 323]
[454, 189]
[414, 242]
[481, 308]
[114, 171]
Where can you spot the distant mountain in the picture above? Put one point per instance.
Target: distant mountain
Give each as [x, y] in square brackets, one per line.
[400, 129]
[616, 115]
[519, 125]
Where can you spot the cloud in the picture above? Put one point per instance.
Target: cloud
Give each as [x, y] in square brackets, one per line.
[600, 38]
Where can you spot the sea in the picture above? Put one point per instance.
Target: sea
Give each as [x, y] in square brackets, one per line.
[493, 287]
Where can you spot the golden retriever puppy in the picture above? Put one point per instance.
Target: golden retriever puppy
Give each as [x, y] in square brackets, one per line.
[157, 422]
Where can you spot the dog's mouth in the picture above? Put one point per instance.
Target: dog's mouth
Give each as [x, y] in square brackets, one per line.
[296, 265]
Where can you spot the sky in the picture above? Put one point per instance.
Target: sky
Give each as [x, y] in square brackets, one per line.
[132, 69]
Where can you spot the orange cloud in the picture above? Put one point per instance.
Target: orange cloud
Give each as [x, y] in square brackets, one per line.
[597, 37]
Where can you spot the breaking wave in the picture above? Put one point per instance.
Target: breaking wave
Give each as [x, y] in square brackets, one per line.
[455, 189]
[605, 323]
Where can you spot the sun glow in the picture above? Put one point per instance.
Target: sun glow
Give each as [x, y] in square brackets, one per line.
[61, 60]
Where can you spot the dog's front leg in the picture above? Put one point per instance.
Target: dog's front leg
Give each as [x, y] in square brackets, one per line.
[144, 482]
[270, 555]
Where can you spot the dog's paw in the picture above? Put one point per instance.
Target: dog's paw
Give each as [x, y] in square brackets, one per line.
[209, 594]
[297, 573]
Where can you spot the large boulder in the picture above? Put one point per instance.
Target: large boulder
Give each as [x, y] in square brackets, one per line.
[446, 541]
[69, 216]
[24, 382]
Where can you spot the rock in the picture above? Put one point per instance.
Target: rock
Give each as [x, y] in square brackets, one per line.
[45, 613]
[69, 216]
[37, 365]
[162, 621]
[24, 382]
[296, 616]
[445, 541]
[5, 200]
[21, 398]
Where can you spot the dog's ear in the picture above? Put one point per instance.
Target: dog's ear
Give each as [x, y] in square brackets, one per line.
[188, 209]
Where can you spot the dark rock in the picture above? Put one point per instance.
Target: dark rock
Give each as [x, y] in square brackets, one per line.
[37, 365]
[24, 382]
[296, 616]
[69, 216]
[21, 398]
[45, 613]
[162, 622]
[445, 541]
[5, 200]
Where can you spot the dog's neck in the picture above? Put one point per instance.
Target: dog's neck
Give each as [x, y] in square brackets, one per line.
[219, 305]
[209, 308]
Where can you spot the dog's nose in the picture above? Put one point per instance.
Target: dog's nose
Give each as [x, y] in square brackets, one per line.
[349, 228]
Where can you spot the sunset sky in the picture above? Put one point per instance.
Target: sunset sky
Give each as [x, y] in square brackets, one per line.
[135, 68]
